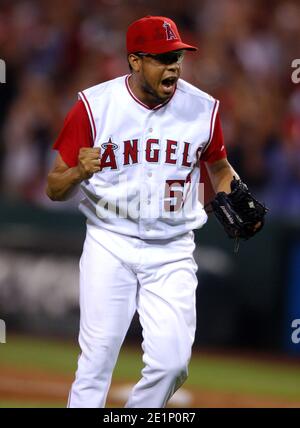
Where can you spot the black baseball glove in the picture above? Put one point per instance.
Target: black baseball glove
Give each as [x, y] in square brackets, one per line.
[240, 214]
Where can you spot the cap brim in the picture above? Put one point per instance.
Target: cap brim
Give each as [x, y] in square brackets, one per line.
[175, 47]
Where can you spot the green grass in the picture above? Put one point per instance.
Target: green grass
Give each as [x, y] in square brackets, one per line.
[58, 357]
[213, 373]
[249, 377]
[23, 353]
[9, 404]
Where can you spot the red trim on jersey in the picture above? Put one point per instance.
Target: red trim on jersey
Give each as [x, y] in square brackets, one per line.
[90, 115]
[140, 102]
[75, 134]
[216, 149]
[211, 122]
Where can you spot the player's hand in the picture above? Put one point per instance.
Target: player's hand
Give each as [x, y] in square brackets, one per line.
[88, 162]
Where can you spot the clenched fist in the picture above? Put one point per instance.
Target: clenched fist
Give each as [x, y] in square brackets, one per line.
[89, 162]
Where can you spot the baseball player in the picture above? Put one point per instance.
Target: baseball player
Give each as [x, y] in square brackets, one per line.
[133, 145]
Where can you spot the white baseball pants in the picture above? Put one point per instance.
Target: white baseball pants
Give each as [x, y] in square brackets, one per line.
[119, 275]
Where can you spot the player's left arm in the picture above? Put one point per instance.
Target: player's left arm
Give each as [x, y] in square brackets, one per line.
[221, 174]
[219, 170]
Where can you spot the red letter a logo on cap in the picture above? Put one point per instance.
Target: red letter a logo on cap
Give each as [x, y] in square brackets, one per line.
[170, 33]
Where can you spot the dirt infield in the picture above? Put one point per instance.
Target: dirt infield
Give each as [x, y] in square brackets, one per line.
[42, 387]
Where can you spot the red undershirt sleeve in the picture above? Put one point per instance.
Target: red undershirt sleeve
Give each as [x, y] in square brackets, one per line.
[216, 149]
[76, 133]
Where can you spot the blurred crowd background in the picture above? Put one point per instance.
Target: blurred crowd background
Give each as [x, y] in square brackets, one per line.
[53, 49]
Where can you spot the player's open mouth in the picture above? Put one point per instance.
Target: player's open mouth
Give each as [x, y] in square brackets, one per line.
[168, 84]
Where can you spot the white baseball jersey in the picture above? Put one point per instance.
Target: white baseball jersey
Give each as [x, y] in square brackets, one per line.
[150, 170]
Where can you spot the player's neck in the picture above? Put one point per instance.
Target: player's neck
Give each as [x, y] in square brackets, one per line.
[143, 96]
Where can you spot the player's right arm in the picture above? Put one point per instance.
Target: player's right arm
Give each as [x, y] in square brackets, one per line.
[63, 181]
[77, 159]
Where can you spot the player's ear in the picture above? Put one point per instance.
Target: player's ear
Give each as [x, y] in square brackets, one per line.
[134, 62]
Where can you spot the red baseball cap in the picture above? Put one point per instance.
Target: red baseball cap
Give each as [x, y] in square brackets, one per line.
[154, 35]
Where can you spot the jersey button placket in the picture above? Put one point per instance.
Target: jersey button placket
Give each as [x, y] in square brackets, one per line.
[146, 174]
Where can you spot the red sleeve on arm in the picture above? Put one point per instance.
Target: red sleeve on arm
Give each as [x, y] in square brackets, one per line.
[216, 149]
[76, 133]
